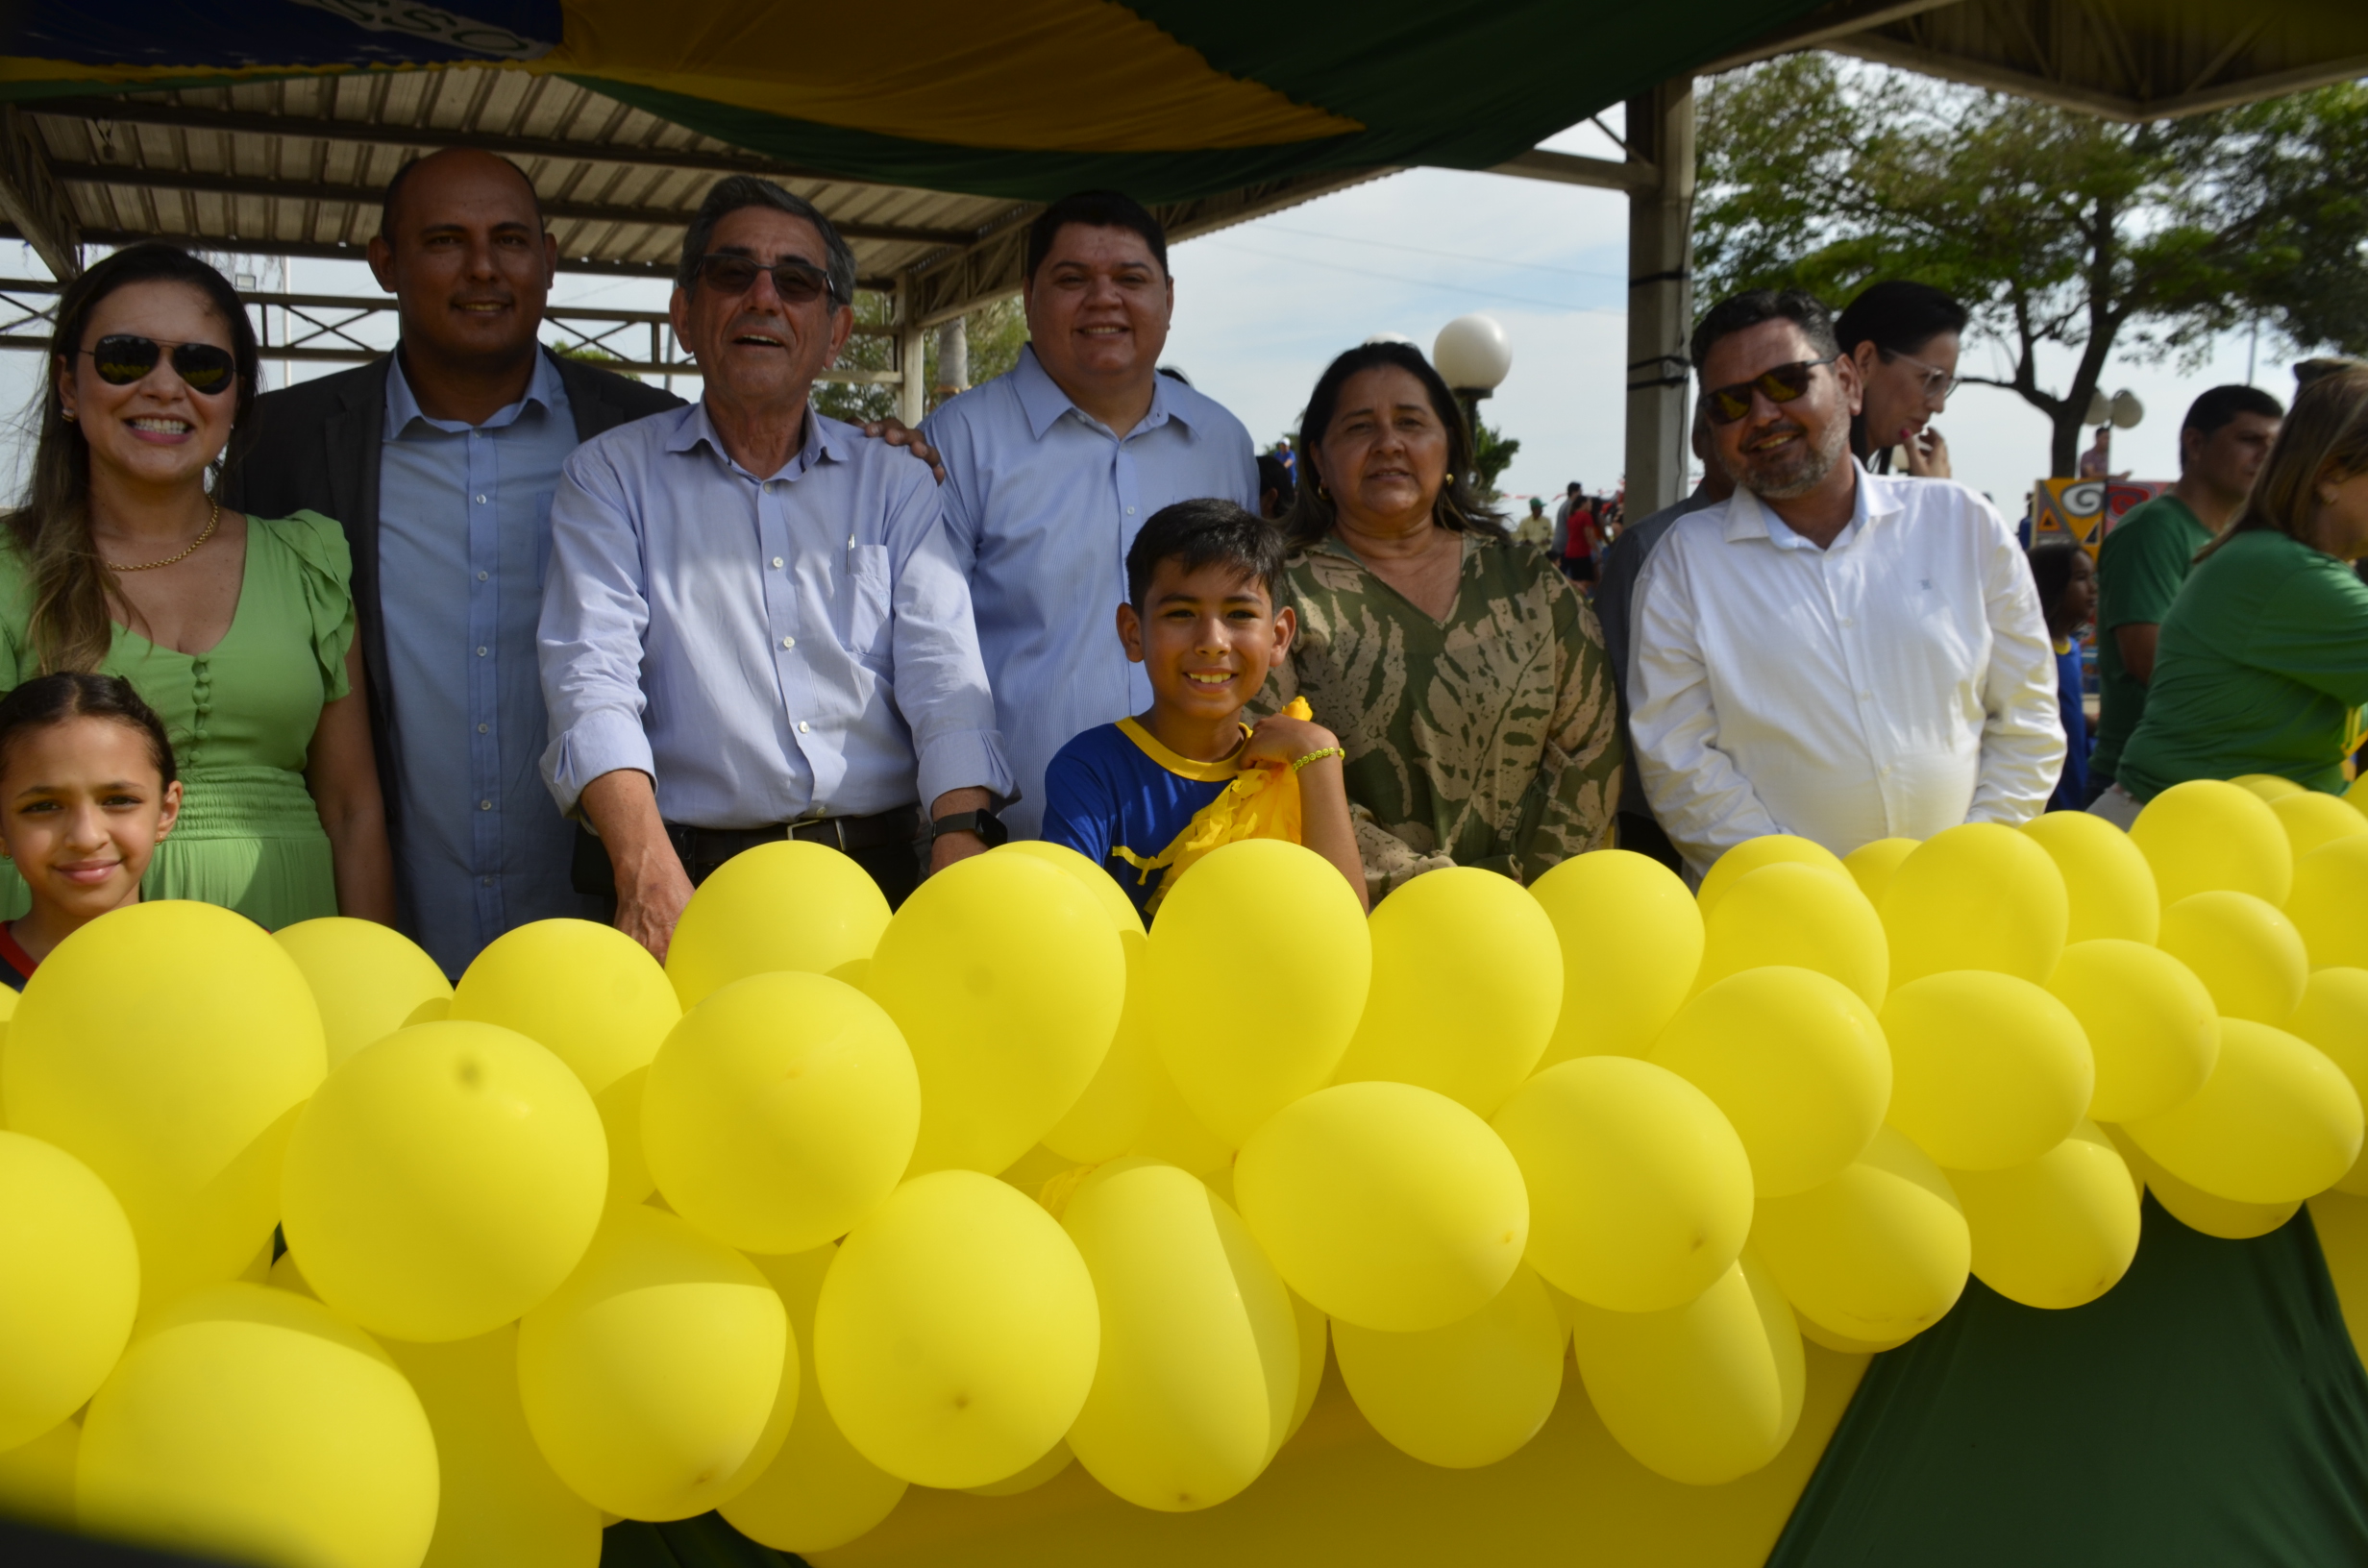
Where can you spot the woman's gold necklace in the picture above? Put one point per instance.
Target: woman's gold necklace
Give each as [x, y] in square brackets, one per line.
[203, 534]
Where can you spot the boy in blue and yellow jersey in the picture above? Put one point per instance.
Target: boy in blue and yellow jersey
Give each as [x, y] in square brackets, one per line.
[1148, 796]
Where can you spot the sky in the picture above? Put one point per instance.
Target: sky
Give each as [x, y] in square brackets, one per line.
[1263, 307]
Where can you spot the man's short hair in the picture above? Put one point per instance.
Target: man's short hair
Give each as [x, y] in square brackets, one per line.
[2223, 404]
[394, 189]
[1740, 312]
[735, 191]
[1199, 533]
[1096, 209]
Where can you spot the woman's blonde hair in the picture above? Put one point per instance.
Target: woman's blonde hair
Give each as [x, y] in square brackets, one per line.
[69, 586]
[2325, 437]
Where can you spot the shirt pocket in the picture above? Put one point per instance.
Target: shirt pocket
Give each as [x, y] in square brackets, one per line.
[867, 612]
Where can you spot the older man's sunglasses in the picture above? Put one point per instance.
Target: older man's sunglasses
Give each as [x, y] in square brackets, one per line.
[1726, 404]
[797, 283]
[123, 359]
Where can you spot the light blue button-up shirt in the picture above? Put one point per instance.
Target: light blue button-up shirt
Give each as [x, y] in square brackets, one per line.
[1043, 501]
[464, 532]
[766, 649]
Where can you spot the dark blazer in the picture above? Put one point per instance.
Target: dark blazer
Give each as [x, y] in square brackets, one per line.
[316, 444]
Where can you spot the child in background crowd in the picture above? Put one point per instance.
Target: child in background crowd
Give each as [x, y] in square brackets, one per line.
[1148, 796]
[86, 793]
[2067, 583]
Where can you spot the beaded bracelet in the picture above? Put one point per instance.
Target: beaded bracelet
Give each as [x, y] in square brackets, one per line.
[1317, 756]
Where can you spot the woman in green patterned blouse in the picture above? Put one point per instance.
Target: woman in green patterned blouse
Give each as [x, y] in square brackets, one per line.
[1464, 675]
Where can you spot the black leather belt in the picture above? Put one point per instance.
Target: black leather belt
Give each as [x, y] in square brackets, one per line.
[713, 846]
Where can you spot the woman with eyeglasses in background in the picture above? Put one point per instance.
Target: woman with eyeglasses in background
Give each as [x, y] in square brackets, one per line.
[1905, 338]
[238, 630]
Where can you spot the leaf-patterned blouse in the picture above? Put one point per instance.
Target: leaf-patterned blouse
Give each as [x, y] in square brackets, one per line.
[1489, 737]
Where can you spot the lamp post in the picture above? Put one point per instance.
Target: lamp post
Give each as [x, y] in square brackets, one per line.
[2123, 410]
[1473, 357]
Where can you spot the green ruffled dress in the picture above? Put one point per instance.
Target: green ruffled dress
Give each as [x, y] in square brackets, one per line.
[241, 716]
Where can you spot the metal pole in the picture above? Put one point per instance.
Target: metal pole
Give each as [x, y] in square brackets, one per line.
[1660, 295]
[913, 389]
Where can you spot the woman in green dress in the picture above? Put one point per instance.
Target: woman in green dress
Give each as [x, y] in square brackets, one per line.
[238, 630]
[1464, 675]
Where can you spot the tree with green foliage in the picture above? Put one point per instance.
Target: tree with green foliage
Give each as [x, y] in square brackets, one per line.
[1491, 455]
[2055, 227]
[997, 329]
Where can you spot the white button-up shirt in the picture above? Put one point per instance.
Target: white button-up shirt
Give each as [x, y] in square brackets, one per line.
[1897, 683]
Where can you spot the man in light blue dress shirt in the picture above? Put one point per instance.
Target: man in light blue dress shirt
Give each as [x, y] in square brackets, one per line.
[1052, 470]
[756, 626]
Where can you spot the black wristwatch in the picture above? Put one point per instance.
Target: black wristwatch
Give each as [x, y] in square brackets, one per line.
[985, 824]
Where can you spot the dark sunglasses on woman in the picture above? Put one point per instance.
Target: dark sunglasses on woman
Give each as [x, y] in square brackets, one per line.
[123, 359]
[797, 283]
[1728, 403]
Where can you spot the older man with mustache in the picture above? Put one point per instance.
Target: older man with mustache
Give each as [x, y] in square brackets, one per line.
[1833, 654]
[756, 626]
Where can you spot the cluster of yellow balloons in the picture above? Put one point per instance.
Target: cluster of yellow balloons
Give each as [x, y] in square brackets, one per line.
[835, 1202]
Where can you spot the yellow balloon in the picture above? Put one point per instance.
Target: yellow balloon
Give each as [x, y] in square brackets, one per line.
[1770, 849]
[1640, 1190]
[1801, 915]
[69, 1281]
[369, 979]
[1314, 1343]
[2268, 786]
[1387, 1205]
[779, 1110]
[2358, 793]
[1288, 1021]
[2153, 1032]
[2324, 905]
[956, 1334]
[661, 1379]
[2312, 820]
[1124, 916]
[253, 1424]
[2206, 836]
[1872, 866]
[36, 1479]
[1467, 980]
[1110, 1116]
[818, 1492]
[790, 905]
[1797, 1064]
[1465, 1395]
[168, 1046]
[1057, 1461]
[1990, 1071]
[2277, 1122]
[596, 999]
[1631, 936]
[500, 1505]
[2056, 1232]
[2248, 955]
[2109, 886]
[1007, 980]
[1842, 1344]
[444, 1181]
[1977, 897]
[1200, 1361]
[1702, 1393]
[2333, 1017]
[2196, 1208]
[1877, 1255]
[1170, 1131]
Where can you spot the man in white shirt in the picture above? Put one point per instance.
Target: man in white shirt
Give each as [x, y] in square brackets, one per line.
[1838, 655]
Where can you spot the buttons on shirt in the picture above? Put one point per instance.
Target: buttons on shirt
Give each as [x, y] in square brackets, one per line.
[1130, 511]
[484, 805]
[777, 563]
[483, 728]
[481, 500]
[482, 576]
[804, 727]
[789, 642]
[482, 653]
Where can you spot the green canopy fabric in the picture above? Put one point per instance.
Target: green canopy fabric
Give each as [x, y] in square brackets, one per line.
[1168, 99]
[2210, 1410]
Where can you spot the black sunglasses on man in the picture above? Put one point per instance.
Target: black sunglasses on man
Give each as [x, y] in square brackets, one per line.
[1726, 404]
[797, 283]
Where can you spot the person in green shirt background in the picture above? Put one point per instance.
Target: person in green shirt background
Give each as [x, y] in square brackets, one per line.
[2222, 443]
[2262, 666]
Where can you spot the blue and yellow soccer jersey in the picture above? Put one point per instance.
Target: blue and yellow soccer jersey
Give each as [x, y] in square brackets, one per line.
[1114, 793]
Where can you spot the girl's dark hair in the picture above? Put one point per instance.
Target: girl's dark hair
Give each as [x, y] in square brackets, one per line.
[1458, 509]
[47, 700]
[70, 626]
[2051, 572]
